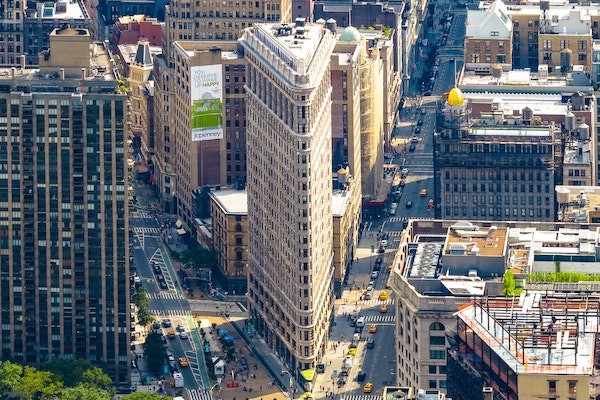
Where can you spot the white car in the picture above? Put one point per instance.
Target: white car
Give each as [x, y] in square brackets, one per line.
[183, 335]
[384, 242]
[374, 274]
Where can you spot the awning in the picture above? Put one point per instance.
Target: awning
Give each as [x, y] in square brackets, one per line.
[308, 375]
[181, 232]
[178, 224]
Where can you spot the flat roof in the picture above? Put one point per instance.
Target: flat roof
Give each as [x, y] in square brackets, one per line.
[291, 40]
[231, 201]
[513, 78]
[539, 103]
[60, 10]
[515, 130]
[465, 238]
[537, 333]
[339, 202]
[577, 202]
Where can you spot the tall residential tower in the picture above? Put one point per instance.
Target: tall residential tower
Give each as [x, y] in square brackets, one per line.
[64, 287]
[290, 286]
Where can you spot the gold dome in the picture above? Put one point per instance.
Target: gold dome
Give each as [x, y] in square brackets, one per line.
[455, 97]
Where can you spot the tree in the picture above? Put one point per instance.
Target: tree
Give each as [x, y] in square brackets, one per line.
[85, 392]
[96, 377]
[509, 283]
[142, 304]
[145, 396]
[42, 384]
[10, 374]
[70, 371]
[155, 351]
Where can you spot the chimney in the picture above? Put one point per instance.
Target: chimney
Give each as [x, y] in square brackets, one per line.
[83, 74]
[23, 62]
[62, 74]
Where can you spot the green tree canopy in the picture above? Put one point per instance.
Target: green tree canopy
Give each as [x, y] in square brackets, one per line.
[10, 374]
[155, 351]
[36, 383]
[85, 392]
[70, 371]
[142, 303]
[96, 377]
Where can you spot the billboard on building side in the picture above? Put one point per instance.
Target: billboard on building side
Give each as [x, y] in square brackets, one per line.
[207, 102]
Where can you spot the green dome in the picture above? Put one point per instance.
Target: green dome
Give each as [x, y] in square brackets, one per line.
[350, 34]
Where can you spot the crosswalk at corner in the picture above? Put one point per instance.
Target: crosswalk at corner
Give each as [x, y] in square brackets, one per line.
[199, 394]
[363, 397]
[396, 219]
[170, 313]
[379, 318]
[166, 295]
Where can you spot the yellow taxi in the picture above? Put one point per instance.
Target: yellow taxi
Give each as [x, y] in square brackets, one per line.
[368, 388]
[183, 362]
[372, 328]
[384, 296]
[423, 192]
[383, 308]
[352, 351]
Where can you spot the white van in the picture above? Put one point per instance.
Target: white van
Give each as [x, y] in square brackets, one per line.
[360, 322]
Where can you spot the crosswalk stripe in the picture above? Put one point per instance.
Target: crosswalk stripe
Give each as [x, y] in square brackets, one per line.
[394, 233]
[376, 302]
[397, 219]
[166, 313]
[140, 214]
[379, 318]
[166, 295]
[363, 397]
[199, 394]
[143, 229]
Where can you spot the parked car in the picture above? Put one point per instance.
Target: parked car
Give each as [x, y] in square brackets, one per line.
[361, 376]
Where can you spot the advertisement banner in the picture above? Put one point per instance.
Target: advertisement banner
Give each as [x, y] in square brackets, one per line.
[207, 102]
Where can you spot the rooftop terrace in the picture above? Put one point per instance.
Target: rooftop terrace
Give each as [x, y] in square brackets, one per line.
[538, 333]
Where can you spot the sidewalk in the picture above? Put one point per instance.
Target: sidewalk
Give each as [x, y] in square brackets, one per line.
[254, 377]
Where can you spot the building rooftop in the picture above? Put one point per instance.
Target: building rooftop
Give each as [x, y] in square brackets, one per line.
[508, 103]
[538, 333]
[492, 22]
[578, 203]
[128, 52]
[523, 80]
[231, 201]
[229, 49]
[465, 238]
[339, 202]
[67, 10]
[293, 43]
[514, 130]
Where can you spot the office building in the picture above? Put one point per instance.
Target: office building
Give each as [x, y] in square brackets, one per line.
[64, 257]
[442, 266]
[492, 170]
[522, 97]
[542, 344]
[488, 38]
[290, 282]
[138, 65]
[209, 149]
[555, 33]
[43, 18]
[229, 215]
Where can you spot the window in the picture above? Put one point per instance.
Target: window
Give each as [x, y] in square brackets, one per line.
[437, 326]
[437, 354]
[572, 387]
[494, 33]
[437, 340]
[433, 369]
[432, 384]
[552, 386]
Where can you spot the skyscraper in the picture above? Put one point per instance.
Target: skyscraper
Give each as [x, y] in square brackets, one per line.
[290, 287]
[64, 289]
